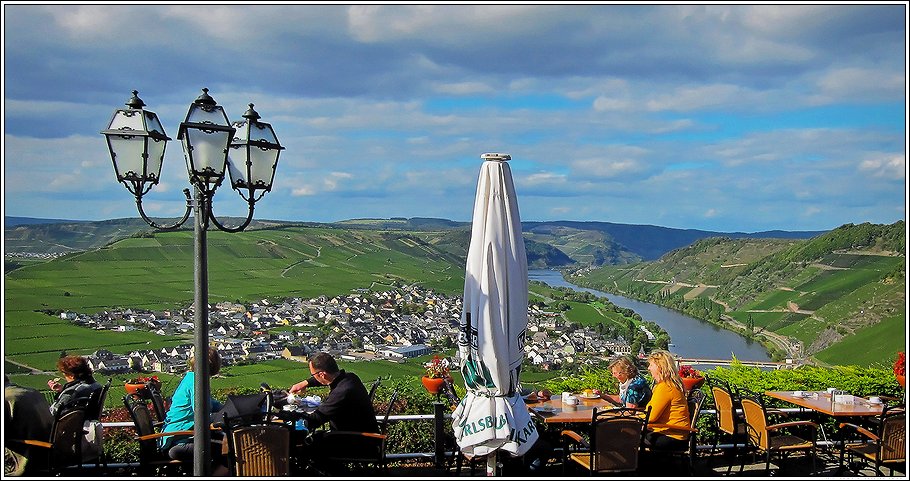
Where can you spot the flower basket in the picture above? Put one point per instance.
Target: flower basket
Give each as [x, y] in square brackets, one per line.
[691, 383]
[432, 384]
[137, 386]
[691, 378]
[437, 372]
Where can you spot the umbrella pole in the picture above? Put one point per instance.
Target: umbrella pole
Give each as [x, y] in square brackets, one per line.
[491, 464]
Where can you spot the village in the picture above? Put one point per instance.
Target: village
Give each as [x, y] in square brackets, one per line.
[392, 325]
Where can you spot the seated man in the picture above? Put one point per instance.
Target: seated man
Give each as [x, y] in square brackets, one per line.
[27, 415]
[346, 408]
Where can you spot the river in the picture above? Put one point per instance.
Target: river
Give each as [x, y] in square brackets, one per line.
[690, 337]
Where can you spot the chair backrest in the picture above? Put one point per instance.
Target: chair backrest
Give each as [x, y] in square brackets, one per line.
[695, 400]
[66, 438]
[144, 425]
[756, 421]
[448, 390]
[96, 402]
[374, 387]
[259, 449]
[893, 434]
[154, 394]
[616, 438]
[723, 404]
[384, 426]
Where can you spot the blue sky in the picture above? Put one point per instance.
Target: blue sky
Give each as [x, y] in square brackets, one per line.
[724, 118]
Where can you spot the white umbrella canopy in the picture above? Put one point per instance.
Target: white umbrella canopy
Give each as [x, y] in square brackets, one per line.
[493, 416]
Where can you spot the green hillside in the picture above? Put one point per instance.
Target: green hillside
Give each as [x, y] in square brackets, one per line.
[838, 298]
[156, 272]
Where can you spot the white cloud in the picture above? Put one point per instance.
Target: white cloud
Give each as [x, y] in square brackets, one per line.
[889, 167]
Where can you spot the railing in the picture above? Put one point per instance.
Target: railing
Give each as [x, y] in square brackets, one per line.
[441, 415]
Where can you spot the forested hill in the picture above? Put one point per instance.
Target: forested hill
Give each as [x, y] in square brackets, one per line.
[554, 244]
[838, 297]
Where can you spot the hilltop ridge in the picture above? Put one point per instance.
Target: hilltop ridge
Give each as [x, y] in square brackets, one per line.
[553, 244]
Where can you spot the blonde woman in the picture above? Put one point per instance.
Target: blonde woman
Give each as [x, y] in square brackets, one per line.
[668, 404]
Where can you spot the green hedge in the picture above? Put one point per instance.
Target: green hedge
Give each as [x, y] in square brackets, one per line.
[418, 436]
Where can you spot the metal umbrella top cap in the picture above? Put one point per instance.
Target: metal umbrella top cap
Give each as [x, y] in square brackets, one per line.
[498, 157]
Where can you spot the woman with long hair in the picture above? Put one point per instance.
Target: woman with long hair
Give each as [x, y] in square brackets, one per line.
[669, 408]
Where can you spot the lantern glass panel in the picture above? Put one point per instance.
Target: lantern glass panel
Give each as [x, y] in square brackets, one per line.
[128, 161]
[207, 159]
[152, 123]
[263, 166]
[200, 115]
[156, 157]
[237, 156]
[131, 119]
[262, 131]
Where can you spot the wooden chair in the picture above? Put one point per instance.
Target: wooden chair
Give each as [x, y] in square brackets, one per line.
[374, 387]
[772, 439]
[731, 425]
[96, 402]
[615, 441]
[884, 447]
[695, 400]
[152, 460]
[257, 448]
[154, 395]
[358, 452]
[64, 447]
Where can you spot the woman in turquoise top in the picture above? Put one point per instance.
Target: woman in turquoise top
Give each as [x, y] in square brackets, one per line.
[181, 413]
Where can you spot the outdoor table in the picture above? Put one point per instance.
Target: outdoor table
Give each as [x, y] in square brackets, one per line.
[821, 402]
[299, 437]
[554, 411]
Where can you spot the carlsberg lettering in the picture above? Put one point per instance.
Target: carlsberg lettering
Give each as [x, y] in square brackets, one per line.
[482, 424]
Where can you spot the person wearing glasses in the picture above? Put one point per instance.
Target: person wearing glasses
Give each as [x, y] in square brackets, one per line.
[347, 406]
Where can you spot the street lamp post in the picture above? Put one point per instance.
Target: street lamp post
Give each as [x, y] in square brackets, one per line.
[248, 149]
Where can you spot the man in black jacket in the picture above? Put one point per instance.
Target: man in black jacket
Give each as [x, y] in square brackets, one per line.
[347, 407]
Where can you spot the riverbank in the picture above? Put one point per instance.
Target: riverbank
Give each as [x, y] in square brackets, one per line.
[692, 337]
[779, 347]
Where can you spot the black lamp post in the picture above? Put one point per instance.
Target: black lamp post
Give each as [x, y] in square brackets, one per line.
[248, 148]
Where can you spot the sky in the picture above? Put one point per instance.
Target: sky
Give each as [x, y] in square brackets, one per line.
[733, 118]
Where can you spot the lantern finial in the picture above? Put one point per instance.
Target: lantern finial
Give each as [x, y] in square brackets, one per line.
[251, 114]
[135, 102]
[205, 98]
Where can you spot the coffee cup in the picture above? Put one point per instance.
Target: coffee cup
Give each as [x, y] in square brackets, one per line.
[831, 390]
[875, 400]
[571, 400]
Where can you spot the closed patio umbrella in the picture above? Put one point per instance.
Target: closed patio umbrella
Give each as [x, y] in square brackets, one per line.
[492, 416]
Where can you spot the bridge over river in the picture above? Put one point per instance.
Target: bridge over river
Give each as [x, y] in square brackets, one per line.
[727, 362]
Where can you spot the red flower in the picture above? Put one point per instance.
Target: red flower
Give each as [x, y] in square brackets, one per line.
[688, 371]
[438, 367]
[144, 380]
[900, 364]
